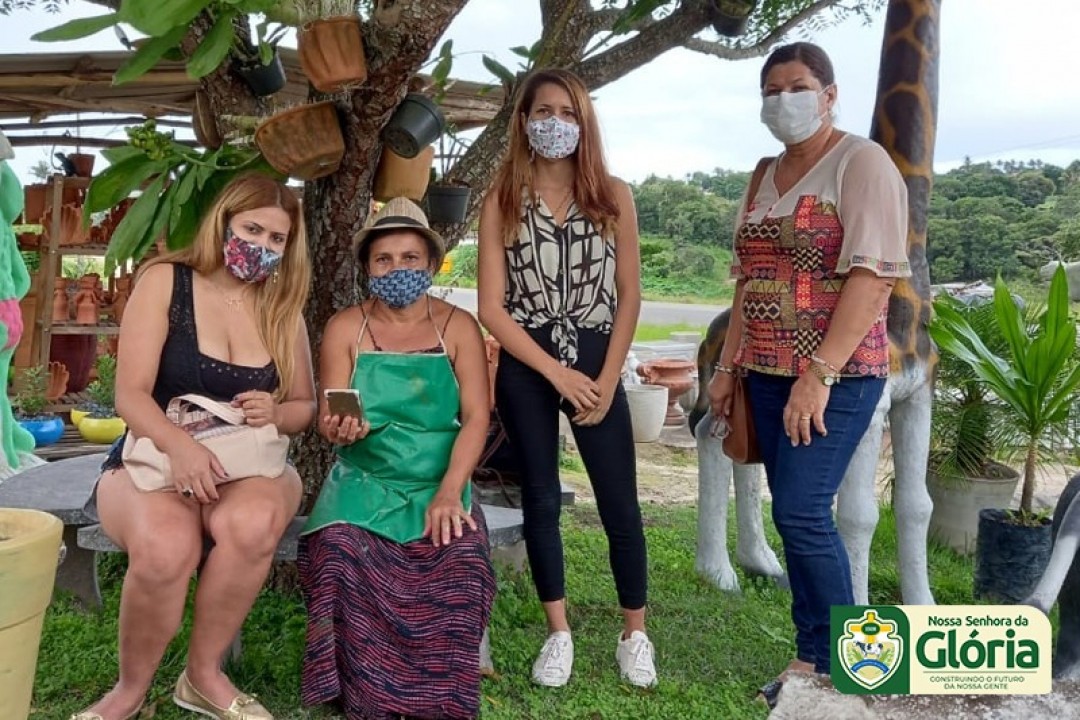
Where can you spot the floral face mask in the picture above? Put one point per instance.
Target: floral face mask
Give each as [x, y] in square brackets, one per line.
[552, 137]
[247, 261]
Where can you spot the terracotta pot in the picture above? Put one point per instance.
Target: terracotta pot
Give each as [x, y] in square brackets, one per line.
[84, 164]
[77, 353]
[403, 177]
[204, 124]
[72, 231]
[35, 203]
[677, 376]
[331, 53]
[303, 142]
[61, 309]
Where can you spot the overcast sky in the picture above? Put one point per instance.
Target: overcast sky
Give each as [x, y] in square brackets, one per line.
[1008, 87]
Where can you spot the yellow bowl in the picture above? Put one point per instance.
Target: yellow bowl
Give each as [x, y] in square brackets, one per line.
[77, 416]
[101, 430]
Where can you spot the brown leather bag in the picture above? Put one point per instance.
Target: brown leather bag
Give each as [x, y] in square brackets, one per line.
[740, 443]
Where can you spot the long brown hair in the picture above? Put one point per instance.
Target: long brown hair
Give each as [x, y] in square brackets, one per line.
[592, 184]
[280, 300]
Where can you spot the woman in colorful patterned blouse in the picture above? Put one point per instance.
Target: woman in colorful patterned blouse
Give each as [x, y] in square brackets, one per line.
[820, 241]
[560, 289]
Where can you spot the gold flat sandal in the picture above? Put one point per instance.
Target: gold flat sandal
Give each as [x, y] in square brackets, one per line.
[243, 707]
[87, 715]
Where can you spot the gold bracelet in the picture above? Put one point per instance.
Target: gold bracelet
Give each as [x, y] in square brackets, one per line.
[729, 370]
[821, 361]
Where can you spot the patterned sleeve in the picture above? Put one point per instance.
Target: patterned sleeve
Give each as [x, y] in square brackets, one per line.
[873, 210]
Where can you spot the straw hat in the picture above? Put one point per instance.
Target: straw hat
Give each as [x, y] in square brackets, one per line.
[400, 214]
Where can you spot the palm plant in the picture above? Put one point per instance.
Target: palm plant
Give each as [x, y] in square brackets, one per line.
[1033, 376]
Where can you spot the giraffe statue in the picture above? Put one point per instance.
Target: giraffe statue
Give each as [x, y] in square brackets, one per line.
[905, 121]
[905, 124]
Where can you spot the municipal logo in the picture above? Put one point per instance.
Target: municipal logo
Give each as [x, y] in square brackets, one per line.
[871, 649]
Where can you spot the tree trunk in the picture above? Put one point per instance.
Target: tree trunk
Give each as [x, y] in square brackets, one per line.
[397, 40]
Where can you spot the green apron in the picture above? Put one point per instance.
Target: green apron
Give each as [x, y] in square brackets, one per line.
[385, 482]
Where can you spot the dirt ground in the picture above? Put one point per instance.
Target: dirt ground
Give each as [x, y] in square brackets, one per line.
[668, 473]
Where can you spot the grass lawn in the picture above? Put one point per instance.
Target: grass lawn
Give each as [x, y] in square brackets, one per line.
[646, 331]
[713, 649]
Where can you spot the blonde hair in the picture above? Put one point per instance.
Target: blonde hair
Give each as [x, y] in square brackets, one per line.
[592, 184]
[279, 301]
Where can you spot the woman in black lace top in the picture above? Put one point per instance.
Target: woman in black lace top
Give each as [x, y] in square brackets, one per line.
[221, 318]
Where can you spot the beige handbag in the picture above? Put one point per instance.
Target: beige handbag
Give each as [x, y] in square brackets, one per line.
[243, 451]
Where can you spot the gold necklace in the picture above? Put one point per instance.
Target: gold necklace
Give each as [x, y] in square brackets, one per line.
[235, 303]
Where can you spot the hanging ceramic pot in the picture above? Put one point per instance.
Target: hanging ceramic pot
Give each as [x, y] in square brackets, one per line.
[729, 17]
[448, 203]
[304, 142]
[415, 124]
[262, 79]
[331, 53]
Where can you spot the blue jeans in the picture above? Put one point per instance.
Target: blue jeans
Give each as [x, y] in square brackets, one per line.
[803, 481]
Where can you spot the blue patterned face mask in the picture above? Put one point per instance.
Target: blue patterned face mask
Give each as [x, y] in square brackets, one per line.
[400, 288]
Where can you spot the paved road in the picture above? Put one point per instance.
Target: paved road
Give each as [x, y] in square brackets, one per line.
[653, 313]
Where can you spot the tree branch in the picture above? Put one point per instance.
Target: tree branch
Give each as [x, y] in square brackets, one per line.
[653, 40]
[762, 46]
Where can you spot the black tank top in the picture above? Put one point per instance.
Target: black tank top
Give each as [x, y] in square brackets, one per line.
[183, 369]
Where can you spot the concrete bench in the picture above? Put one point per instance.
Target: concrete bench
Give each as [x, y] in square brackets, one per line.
[61, 488]
[505, 529]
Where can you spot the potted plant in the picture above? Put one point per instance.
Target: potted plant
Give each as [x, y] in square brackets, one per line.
[101, 424]
[447, 198]
[1034, 378]
[304, 142]
[330, 45]
[417, 123]
[729, 17]
[260, 64]
[30, 405]
[962, 477]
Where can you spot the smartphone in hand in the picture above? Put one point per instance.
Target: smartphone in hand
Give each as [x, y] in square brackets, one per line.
[344, 403]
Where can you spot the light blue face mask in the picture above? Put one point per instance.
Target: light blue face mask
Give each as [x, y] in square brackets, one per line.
[400, 288]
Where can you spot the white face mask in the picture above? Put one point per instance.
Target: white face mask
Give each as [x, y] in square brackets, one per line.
[791, 117]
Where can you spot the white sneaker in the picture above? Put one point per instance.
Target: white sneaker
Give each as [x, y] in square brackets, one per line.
[635, 658]
[553, 665]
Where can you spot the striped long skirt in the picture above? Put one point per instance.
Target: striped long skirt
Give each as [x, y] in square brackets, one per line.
[395, 629]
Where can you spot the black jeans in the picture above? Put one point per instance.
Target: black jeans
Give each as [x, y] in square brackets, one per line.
[529, 406]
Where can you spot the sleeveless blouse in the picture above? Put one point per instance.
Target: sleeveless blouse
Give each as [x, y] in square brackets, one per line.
[795, 250]
[560, 277]
[184, 369]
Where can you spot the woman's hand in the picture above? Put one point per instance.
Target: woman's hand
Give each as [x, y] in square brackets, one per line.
[595, 416]
[196, 472]
[259, 408]
[721, 392]
[444, 518]
[577, 387]
[343, 429]
[805, 405]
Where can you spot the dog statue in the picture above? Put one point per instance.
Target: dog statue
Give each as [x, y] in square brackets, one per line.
[1061, 582]
[715, 469]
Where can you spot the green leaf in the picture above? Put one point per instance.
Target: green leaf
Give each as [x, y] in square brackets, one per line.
[214, 48]
[132, 228]
[522, 51]
[160, 18]
[118, 181]
[75, 29]
[148, 55]
[121, 152]
[499, 70]
[162, 211]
